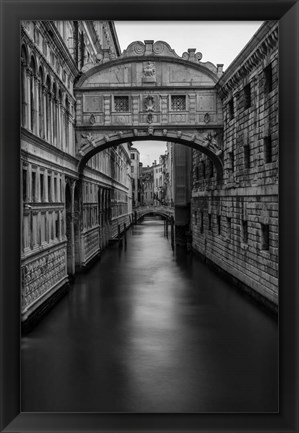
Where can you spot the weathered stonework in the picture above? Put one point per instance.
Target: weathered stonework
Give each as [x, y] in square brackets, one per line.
[235, 225]
[63, 228]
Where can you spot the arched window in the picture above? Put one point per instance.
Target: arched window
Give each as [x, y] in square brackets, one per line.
[24, 102]
[67, 110]
[60, 129]
[48, 108]
[55, 114]
[31, 94]
[41, 103]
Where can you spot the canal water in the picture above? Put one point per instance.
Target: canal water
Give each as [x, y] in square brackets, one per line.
[149, 329]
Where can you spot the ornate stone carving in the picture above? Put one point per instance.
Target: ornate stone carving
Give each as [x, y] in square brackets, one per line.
[41, 274]
[90, 139]
[191, 56]
[92, 119]
[149, 70]
[207, 118]
[149, 107]
[210, 140]
[139, 48]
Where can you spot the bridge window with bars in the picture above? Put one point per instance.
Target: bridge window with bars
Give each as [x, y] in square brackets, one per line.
[121, 104]
[178, 103]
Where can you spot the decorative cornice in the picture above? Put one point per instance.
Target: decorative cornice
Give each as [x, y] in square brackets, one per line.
[159, 49]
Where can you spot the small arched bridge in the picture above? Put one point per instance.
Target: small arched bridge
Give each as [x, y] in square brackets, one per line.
[164, 211]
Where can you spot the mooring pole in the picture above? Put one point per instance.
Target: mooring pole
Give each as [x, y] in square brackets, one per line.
[172, 232]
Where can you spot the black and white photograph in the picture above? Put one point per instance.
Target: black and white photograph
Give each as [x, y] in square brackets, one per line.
[149, 157]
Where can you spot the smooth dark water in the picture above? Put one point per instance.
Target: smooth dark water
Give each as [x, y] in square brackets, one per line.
[151, 330]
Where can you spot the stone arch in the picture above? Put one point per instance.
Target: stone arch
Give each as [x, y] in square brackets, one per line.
[33, 64]
[214, 153]
[24, 54]
[32, 93]
[24, 95]
[41, 76]
[150, 93]
[48, 106]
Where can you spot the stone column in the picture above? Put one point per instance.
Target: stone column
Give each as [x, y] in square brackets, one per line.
[164, 108]
[63, 126]
[135, 109]
[59, 144]
[52, 118]
[29, 74]
[55, 122]
[192, 107]
[107, 109]
[44, 92]
[46, 198]
[25, 96]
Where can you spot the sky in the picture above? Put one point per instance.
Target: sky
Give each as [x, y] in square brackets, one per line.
[219, 42]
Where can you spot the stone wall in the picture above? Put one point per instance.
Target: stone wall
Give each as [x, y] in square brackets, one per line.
[235, 223]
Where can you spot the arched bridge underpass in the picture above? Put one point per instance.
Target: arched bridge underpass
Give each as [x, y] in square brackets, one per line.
[164, 211]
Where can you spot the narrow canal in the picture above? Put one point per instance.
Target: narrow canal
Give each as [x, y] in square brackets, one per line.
[149, 329]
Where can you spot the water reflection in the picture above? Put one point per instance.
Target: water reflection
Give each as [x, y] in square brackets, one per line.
[151, 330]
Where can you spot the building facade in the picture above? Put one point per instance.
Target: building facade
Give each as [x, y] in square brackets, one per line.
[67, 219]
[235, 223]
[135, 175]
[69, 216]
[147, 184]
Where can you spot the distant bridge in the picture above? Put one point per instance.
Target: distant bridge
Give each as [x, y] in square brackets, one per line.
[164, 211]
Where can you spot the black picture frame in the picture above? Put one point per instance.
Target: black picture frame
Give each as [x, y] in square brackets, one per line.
[12, 12]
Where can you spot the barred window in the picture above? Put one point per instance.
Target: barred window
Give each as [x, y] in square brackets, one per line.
[247, 96]
[245, 231]
[219, 224]
[178, 103]
[121, 104]
[268, 149]
[231, 109]
[268, 79]
[229, 227]
[201, 222]
[265, 236]
[246, 156]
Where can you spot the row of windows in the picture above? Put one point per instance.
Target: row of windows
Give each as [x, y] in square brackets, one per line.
[42, 227]
[48, 188]
[56, 62]
[92, 216]
[122, 103]
[268, 87]
[201, 172]
[45, 112]
[244, 228]
[267, 153]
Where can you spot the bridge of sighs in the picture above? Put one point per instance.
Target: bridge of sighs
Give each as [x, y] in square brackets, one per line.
[149, 93]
